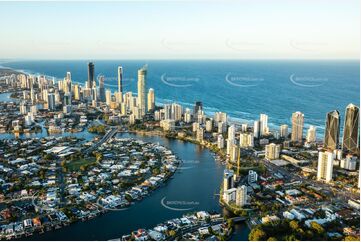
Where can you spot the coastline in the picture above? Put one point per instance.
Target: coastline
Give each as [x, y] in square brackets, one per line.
[236, 118]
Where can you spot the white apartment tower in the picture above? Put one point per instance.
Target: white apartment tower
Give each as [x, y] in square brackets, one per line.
[325, 166]
[142, 73]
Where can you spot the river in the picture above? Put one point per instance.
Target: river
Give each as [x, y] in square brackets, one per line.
[193, 187]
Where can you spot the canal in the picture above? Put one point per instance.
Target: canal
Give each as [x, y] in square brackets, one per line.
[194, 187]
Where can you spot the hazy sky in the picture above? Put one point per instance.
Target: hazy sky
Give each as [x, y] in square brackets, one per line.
[307, 29]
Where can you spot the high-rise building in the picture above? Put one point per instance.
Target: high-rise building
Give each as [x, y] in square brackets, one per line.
[284, 130]
[76, 92]
[209, 125]
[222, 127]
[67, 99]
[220, 141]
[272, 151]
[220, 117]
[227, 179]
[108, 97]
[68, 76]
[256, 129]
[90, 75]
[241, 196]
[120, 79]
[332, 130]
[246, 140]
[200, 134]
[187, 116]
[231, 132]
[94, 91]
[234, 152]
[142, 73]
[51, 101]
[297, 127]
[176, 111]
[67, 82]
[197, 107]
[118, 98]
[101, 89]
[311, 134]
[325, 166]
[350, 142]
[201, 117]
[151, 100]
[263, 124]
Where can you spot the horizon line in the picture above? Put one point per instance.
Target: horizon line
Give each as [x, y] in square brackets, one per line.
[176, 59]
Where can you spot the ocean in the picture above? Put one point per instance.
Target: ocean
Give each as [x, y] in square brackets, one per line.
[243, 89]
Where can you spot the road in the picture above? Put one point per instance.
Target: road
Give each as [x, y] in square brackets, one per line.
[340, 195]
[105, 138]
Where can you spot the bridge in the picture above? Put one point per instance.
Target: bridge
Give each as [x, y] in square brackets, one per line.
[110, 134]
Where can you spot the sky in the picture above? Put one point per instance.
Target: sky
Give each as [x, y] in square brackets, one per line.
[244, 29]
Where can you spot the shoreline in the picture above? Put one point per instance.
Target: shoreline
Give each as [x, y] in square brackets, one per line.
[58, 225]
[208, 110]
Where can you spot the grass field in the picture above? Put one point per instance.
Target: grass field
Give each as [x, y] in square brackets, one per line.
[75, 165]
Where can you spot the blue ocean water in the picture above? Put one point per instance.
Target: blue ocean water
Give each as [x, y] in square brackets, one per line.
[243, 89]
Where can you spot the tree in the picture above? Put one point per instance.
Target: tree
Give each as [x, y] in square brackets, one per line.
[229, 223]
[172, 233]
[317, 228]
[352, 238]
[294, 225]
[291, 237]
[272, 239]
[257, 234]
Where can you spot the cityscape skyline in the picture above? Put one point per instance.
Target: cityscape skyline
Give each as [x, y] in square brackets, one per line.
[236, 145]
[180, 120]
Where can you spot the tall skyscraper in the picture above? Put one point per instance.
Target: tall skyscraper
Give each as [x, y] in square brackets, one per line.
[311, 134]
[325, 166]
[68, 76]
[197, 107]
[350, 143]
[227, 179]
[108, 97]
[90, 75]
[76, 92]
[297, 127]
[94, 91]
[256, 129]
[151, 100]
[284, 130]
[101, 89]
[241, 196]
[51, 101]
[67, 82]
[231, 132]
[142, 75]
[67, 99]
[120, 79]
[332, 130]
[264, 124]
